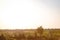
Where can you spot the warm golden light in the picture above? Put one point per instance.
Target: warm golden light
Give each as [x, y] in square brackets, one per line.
[27, 14]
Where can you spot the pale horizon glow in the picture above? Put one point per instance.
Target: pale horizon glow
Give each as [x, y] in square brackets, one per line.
[28, 14]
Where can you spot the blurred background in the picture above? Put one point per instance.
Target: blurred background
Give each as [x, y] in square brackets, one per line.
[29, 14]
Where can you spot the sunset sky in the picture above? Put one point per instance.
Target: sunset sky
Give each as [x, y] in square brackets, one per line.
[29, 14]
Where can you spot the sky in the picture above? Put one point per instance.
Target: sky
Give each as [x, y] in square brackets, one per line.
[29, 14]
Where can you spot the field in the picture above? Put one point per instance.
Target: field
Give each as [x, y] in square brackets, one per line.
[30, 34]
